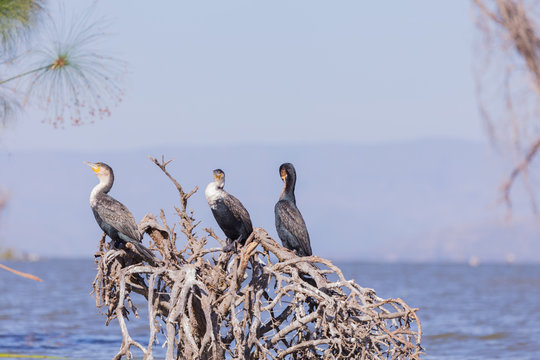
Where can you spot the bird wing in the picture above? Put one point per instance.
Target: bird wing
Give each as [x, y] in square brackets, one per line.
[114, 213]
[294, 222]
[239, 212]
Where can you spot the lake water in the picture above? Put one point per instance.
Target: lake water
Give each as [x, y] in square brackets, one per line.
[484, 312]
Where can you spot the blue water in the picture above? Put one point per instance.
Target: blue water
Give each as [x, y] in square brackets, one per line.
[484, 312]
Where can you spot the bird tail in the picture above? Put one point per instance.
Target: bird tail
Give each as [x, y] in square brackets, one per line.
[142, 250]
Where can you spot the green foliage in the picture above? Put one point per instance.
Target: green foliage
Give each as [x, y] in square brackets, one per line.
[78, 79]
[21, 356]
[7, 254]
[17, 17]
[70, 78]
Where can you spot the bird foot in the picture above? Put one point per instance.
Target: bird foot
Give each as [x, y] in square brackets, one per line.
[231, 246]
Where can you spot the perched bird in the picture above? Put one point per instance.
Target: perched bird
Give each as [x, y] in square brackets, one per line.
[231, 216]
[290, 224]
[111, 215]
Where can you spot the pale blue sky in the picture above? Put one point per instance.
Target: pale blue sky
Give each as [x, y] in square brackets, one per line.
[204, 75]
[223, 72]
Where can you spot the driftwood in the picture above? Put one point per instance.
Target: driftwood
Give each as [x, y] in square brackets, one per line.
[263, 302]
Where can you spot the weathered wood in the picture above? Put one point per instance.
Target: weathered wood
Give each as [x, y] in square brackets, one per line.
[258, 303]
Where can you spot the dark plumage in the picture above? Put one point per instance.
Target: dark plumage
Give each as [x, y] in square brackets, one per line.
[111, 215]
[290, 224]
[231, 216]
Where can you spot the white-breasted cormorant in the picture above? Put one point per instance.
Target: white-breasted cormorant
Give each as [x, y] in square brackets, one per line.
[111, 215]
[231, 216]
[290, 224]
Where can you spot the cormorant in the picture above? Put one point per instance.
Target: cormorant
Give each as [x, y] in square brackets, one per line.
[290, 224]
[231, 216]
[111, 215]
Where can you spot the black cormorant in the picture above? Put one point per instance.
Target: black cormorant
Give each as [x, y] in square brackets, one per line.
[290, 224]
[231, 216]
[111, 215]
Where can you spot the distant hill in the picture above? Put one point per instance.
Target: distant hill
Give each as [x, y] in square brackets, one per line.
[433, 200]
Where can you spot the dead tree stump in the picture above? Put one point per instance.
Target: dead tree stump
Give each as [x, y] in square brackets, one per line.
[263, 302]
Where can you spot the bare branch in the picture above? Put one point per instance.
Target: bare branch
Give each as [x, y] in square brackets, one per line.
[183, 196]
[510, 29]
[20, 273]
[263, 302]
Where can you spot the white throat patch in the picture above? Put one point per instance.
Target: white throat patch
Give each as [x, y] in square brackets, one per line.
[213, 193]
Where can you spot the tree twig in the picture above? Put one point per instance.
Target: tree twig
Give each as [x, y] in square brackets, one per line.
[207, 304]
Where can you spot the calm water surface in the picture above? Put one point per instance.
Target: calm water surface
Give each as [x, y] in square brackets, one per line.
[484, 312]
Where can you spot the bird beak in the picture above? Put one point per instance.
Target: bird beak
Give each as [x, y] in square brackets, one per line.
[94, 167]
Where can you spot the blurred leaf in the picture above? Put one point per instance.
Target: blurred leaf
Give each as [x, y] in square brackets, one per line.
[16, 19]
[19, 356]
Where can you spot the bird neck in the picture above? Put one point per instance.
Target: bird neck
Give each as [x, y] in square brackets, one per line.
[104, 186]
[213, 192]
[288, 191]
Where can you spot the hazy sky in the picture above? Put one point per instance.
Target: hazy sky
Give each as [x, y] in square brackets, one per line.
[221, 72]
[274, 73]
